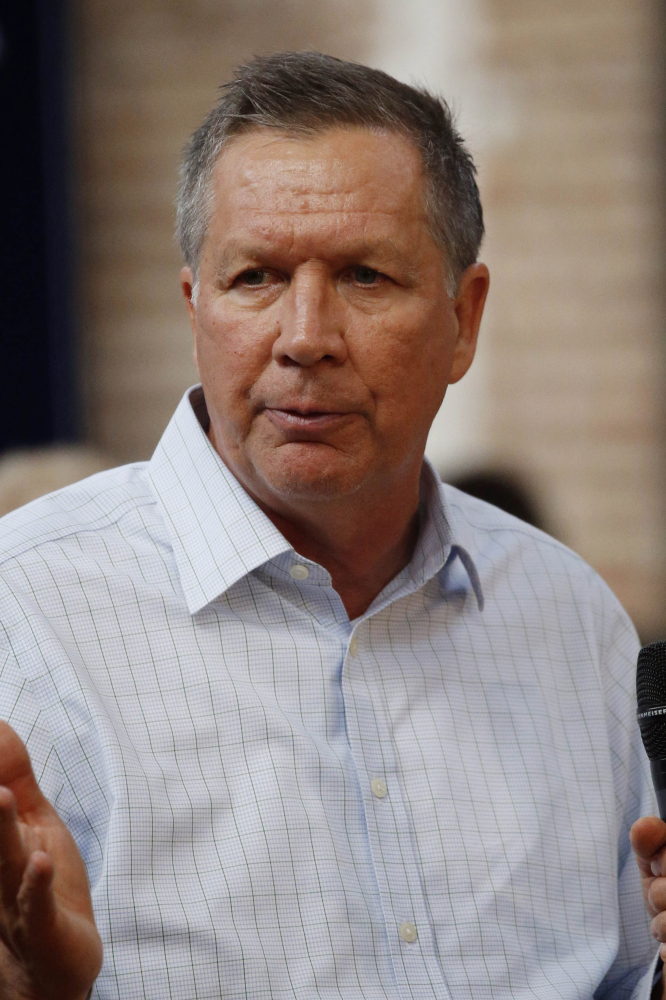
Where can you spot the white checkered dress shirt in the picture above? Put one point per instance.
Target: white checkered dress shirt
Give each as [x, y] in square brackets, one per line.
[431, 801]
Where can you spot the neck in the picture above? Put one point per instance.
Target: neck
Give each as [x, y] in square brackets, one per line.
[362, 549]
[363, 540]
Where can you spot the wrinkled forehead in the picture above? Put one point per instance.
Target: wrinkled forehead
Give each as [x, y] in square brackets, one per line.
[344, 170]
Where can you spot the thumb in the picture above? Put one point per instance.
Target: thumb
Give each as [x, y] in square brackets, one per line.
[648, 837]
[16, 771]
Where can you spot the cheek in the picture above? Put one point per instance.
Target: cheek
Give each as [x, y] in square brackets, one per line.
[231, 353]
[407, 365]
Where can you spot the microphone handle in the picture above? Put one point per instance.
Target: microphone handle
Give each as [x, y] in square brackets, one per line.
[658, 768]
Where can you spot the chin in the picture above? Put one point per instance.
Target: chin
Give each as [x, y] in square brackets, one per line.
[312, 477]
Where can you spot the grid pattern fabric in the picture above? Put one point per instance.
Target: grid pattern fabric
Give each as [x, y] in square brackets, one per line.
[273, 802]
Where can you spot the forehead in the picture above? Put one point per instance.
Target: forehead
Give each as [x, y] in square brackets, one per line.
[376, 176]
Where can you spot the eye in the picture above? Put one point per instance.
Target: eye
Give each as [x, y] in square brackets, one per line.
[365, 275]
[255, 277]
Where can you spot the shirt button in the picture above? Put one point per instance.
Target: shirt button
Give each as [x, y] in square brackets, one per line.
[353, 646]
[299, 572]
[378, 787]
[408, 932]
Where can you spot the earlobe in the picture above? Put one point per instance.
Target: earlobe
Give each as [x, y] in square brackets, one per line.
[468, 307]
[187, 288]
[186, 283]
[462, 360]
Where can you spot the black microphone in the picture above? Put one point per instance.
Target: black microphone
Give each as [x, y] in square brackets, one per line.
[651, 714]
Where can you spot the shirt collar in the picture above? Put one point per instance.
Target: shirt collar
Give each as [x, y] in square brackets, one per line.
[443, 548]
[219, 534]
[217, 531]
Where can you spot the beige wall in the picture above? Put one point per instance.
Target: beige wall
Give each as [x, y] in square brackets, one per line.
[575, 239]
[571, 392]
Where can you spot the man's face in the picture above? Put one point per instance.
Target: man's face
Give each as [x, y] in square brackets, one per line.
[324, 334]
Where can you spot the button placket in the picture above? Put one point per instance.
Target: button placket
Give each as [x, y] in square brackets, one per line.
[388, 823]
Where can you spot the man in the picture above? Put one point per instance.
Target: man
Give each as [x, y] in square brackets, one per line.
[317, 725]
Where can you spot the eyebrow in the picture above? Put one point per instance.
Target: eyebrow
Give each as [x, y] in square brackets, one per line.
[385, 250]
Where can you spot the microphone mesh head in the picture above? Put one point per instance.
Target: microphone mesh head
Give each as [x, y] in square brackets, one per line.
[651, 695]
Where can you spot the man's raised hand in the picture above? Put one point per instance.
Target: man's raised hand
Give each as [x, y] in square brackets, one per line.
[49, 945]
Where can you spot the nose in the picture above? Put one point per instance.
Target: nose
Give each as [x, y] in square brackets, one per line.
[311, 327]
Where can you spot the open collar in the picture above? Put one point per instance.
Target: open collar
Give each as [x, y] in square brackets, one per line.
[219, 534]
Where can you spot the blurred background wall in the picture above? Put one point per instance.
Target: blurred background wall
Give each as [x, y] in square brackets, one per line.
[562, 105]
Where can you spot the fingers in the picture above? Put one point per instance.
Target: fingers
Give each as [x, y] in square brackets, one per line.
[14, 759]
[36, 901]
[648, 839]
[16, 771]
[27, 903]
[657, 895]
[658, 929]
[50, 942]
[648, 835]
[13, 857]
[26, 895]
[61, 952]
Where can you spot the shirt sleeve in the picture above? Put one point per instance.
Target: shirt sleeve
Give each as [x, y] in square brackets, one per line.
[632, 972]
[19, 708]
[57, 761]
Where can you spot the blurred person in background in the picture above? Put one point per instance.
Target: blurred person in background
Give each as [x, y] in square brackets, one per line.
[29, 473]
[502, 489]
[288, 716]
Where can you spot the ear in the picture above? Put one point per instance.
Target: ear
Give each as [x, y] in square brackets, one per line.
[187, 288]
[468, 307]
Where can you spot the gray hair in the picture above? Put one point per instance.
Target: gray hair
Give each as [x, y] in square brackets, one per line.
[306, 93]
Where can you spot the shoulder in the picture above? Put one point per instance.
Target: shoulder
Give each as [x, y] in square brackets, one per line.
[513, 557]
[486, 522]
[489, 525]
[91, 505]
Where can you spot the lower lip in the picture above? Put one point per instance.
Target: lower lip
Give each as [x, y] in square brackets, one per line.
[305, 423]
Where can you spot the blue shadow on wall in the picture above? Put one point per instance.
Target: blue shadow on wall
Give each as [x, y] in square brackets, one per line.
[37, 380]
